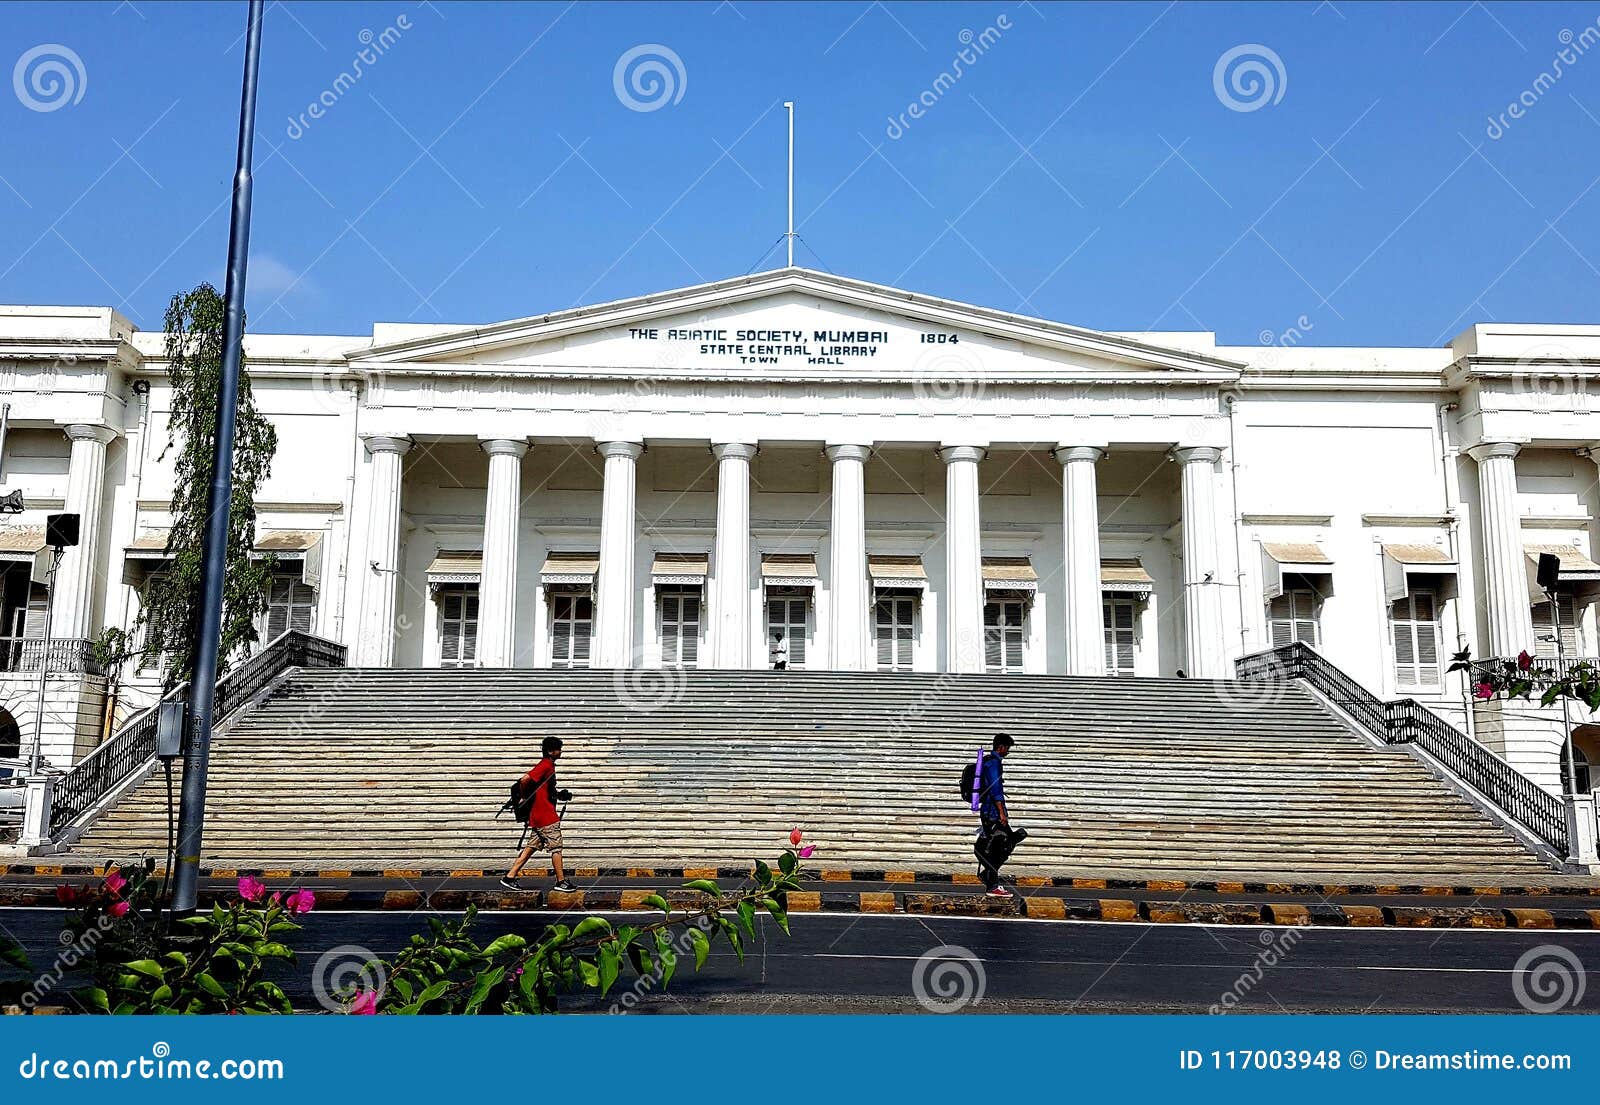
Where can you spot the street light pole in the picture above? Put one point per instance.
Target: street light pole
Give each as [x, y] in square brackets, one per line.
[219, 501]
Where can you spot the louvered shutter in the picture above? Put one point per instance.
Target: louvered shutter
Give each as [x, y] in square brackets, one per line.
[883, 622]
[797, 633]
[1292, 617]
[1544, 627]
[450, 629]
[1305, 617]
[904, 631]
[669, 627]
[1415, 629]
[561, 631]
[302, 604]
[469, 625]
[689, 627]
[582, 630]
[1118, 615]
[993, 638]
[38, 609]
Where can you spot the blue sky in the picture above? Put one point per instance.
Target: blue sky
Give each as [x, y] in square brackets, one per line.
[1084, 168]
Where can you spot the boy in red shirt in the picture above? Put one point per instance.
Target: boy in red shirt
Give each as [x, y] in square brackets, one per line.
[544, 823]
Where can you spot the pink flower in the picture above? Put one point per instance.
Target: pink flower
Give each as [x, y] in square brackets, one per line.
[1483, 690]
[795, 835]
[115, 881]
[66, 895]
[277, 897]
[301, 901]
[805, 853]
[119, 909]
[365, 1003]
[251, 889]
[1524, 660]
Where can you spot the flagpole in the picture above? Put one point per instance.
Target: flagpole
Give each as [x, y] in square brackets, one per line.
[789, 237]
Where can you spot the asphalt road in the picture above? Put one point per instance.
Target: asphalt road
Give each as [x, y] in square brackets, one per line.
[875, 963]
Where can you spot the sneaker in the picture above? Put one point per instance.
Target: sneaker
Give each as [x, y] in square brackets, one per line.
[997, 892]
[564, 887]
[510, 884]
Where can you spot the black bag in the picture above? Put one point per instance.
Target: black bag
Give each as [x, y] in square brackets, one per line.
[969, 782]
[520, 803]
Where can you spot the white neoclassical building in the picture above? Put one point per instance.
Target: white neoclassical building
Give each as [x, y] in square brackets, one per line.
[883, 480]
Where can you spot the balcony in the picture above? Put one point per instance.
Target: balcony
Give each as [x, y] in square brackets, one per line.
[62, 655]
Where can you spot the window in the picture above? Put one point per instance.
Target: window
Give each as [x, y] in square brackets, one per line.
[894, 617]
[1120, 616]
[291, 604]
[571, 628]
[680, 625]
[1544, 627]
[1292, 616]
[1415, 624]
[10, 745]
[1003, 634]
[458, 626]
[1582, 777]
[786, 617]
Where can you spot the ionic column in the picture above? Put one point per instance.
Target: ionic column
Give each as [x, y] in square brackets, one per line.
[614, 590]
[73, 600]
[963, 559]
[381, 565]
[1085, 620]
[497, 589]
[729, 600]
[847, 584]
[1505, 573]
[1204, 653]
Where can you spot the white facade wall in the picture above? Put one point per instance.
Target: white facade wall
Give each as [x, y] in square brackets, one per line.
[1346, 450]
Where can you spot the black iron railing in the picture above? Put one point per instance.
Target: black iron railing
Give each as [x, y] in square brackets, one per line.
[1407, 721]
[101, 771]
[66, 655]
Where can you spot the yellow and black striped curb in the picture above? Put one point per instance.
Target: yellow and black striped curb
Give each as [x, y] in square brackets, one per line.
[870, 875]
[1037, 907]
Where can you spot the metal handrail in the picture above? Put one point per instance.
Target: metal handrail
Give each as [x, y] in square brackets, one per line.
[1407, 721]
[102, 770]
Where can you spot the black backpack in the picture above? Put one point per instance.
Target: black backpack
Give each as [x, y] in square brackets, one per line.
[520, 803]
[969, 779]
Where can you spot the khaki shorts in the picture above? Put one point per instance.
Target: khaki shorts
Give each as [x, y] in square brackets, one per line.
[546, 838]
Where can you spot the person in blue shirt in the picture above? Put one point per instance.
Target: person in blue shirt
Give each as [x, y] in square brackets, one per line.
[995, 837]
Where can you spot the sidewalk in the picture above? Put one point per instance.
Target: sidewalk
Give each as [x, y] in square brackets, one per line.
[1110, 900]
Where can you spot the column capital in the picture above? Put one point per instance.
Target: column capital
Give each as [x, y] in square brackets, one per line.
[82, 431]
[950, 454]
[1196, 454]
[609, 449]
[1090, 453]
[742, 450]
[1488, 449]
[504, 446]
[848, 452]
[383, 443]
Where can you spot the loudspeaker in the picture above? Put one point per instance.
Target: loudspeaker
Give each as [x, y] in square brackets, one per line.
[1549, 571]
[61, 530]
[170, 717]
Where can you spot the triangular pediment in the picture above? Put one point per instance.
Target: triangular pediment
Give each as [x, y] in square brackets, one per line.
[797, 320]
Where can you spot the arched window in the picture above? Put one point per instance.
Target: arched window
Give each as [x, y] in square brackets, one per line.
[1585, 756]
[10, 745]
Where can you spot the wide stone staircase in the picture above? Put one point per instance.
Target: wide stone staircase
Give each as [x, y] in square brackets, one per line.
[1164, 778]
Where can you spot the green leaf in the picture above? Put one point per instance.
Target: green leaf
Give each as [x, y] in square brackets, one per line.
[162, 993]
[626, 935]
[778, 913]
[97, 999]
[589, 973]
[480, 990]
[705, 886]
[509, 942]
[668, 957]
[147, 967]
[788, 862]
[656, 901]
[701, 945]
[14, 954]
[588, 925]
[610, 966]
[747, 916]
[210, 985]
[430, 993]
[272, 991]
[763, 872]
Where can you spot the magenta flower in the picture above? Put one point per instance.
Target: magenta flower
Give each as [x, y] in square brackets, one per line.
[805, 853]
[119, 909]
[251, 889]
[301, 901]
[115, 881]
[1483, 690]
[1524, 660]
[66, 894]
[365, 1003]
